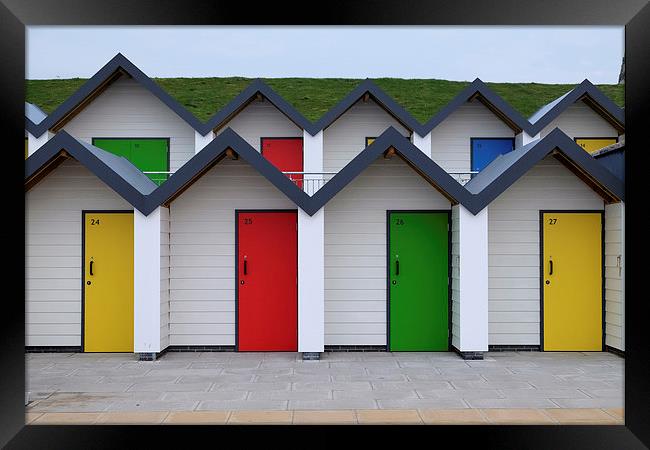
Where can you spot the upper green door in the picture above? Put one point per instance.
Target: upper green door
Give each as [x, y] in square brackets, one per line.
[148, 155]
[418, 280]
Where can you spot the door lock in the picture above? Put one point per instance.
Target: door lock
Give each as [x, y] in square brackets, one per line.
[548, 281]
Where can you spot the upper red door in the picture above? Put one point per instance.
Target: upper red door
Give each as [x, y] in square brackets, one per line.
[267, 281]
[286, 155]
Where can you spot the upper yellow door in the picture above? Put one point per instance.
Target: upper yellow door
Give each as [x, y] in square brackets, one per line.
[108, 282]
[573, 296]
[592, 144]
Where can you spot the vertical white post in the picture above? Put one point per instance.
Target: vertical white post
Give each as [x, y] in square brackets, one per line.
[311, 283]
[423, 143]
[311, 258]
[146, 280]
[201, 141]
[34, 143]
[524, 138]
[312, 161]
[471, 270]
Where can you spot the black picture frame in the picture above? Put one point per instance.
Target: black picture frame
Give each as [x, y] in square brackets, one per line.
[634, 14]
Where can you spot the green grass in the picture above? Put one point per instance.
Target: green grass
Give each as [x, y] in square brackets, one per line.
[314, 96]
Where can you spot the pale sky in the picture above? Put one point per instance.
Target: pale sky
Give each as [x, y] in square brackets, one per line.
[545, 54]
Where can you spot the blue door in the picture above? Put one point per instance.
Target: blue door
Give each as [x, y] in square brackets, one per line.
[485, 150]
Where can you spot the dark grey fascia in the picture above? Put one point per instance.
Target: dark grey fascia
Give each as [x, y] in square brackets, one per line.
[214, 152]
[476, 87]
[118, 62]
[385, 100]
[586, 88]
[409, 152]
[116, 172]
[506, 169]
[256, 87]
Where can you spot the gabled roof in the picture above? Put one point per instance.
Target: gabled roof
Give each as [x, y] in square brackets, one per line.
[222, 116]
[210, 155]
[586, 91]
[117, 172]
[413, 156]
[378, 95]
[33, 116]
[116, 67]
[613, 157]
[120, 65]
[487, 96]
[501, 173]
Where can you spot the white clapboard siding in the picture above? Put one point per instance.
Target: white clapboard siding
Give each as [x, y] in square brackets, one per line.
[164, 278]
[346, 137]
[261, 119]
[579, 120]
[450, 140]
[514, 280]
[202, 251]
[614, 273]
[126, 109]
[53, 251]
[355, 248]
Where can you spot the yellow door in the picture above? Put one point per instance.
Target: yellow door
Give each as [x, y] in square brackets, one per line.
[108, 282]
[572, 283]
[591, 144]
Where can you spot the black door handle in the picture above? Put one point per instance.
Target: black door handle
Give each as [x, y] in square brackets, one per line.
[245, 267]
[91, 267]
[397, 267]
[550, 267]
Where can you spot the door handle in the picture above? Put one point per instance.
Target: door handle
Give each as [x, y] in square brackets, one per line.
[91, 268]
[245, 266]
[397, 267]
[550, 267]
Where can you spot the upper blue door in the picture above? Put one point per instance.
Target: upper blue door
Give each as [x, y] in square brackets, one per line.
[485, 150]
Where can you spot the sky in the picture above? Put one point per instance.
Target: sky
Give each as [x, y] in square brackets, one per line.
[545, 54]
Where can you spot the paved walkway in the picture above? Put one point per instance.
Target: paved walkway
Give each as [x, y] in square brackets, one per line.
[508, 387]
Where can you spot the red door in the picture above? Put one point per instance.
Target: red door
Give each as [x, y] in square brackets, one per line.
[286, 155]
[267, 281]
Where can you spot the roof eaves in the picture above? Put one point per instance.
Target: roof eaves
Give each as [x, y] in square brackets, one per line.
[414, 156]
[382, 98]
[548, 113]
[117, 173]
[118, 62]
[476, 87]
[214, 152]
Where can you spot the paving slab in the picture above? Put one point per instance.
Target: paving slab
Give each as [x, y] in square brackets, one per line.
[261, 417]
[331, 386]
[170, 387]
[453, 417]
[200, 396]
[290, 395]
[425, 403]
[251, 386]
[197, 418]
[342, 417]
[510, 403]
[340, 381]
[236, 405]
[396, 417]
[460, 393]
[152, 405]
[333, 404]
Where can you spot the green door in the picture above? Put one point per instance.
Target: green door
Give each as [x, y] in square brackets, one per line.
[418, 280]
[148, 155]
